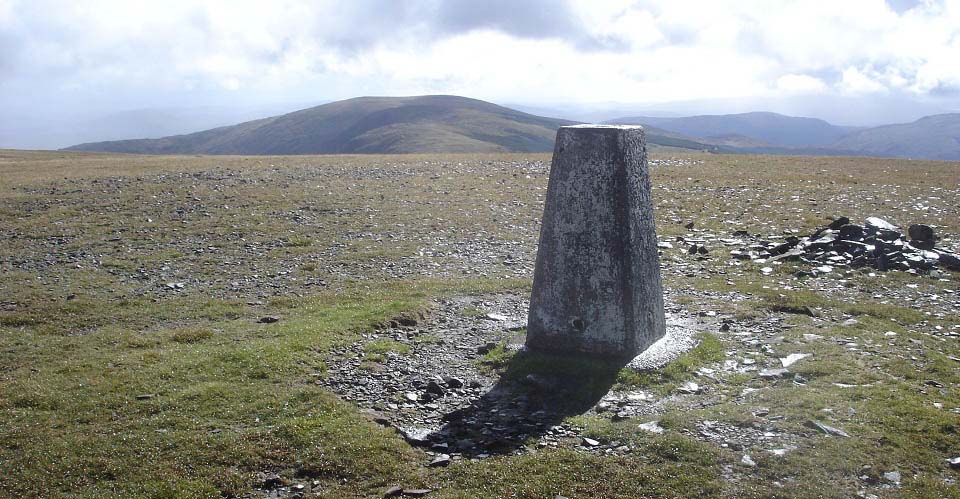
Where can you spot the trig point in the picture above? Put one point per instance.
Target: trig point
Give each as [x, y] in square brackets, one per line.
[597, 288]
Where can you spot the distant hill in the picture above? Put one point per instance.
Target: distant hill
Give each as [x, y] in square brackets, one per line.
[451, 124]
[736, 140]
[930, 137]
[770, 128]
[432, 123]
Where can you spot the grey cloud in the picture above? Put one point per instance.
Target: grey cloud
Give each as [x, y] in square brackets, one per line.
[901, 6]
[678, 35]
[364, 23]
[945, 90]
[357, 25]
[830, 76]
[350, 28]
[532, 19]
[9, 51]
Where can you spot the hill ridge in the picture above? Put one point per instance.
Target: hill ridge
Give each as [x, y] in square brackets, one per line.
[453, 124]
[375, 124]
[930, 137]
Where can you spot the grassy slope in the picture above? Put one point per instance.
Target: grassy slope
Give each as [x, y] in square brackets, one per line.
[230, 397]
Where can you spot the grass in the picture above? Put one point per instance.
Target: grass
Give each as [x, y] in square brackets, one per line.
[497, 359]
[666, 472]
[192, 335]
[299, 241]
[708, 351]
[113, 384]
[377, 350]
[812, 303]
[509, 364]
[213, 412]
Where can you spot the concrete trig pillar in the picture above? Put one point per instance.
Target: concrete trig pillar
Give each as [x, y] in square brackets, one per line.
[596, 287]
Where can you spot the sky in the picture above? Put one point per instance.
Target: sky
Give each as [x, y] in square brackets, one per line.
[81, 63]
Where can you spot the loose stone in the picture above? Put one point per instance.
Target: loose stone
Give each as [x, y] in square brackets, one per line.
[773, 373]
[652, 427]
[792, 359]
[829, 430]
[416, 492]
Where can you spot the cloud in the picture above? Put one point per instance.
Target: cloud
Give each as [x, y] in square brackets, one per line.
[901, 6]
[800, 83]
[55, 56]
[856, 81]
[530, 19]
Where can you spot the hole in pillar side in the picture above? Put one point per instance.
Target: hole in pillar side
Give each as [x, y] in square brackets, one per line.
[578, 325]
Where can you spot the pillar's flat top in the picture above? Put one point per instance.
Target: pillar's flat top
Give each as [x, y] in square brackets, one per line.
[605, 127]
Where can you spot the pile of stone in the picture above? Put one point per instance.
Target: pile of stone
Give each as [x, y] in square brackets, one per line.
[876, 244]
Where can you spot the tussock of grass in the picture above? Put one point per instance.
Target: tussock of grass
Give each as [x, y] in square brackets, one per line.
[299, 241]
[384, 345]
[191, 335]
[377, 350]
[496, 359]
[17, 320]
[902, 315]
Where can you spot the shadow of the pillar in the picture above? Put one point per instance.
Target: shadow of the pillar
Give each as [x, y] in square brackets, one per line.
[535, 393]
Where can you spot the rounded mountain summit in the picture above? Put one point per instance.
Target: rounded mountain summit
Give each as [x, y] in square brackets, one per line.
[373, 125]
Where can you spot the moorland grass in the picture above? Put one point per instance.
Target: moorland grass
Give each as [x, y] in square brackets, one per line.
[113, 385]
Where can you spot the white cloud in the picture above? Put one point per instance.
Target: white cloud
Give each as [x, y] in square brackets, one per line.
[139, 53]
[800, 83]
[858, 82]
